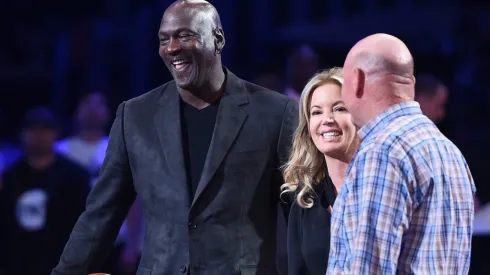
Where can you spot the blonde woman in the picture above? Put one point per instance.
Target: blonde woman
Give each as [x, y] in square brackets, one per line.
[325, 137]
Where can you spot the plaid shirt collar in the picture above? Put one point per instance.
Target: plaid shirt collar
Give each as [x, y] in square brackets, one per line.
[393, 112]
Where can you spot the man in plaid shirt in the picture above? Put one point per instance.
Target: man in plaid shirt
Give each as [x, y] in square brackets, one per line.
[407, 203]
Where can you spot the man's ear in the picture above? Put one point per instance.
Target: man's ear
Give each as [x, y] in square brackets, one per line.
[219, 40]
[359, 82]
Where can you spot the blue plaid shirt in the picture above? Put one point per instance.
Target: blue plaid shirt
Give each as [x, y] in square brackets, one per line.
[407, 203]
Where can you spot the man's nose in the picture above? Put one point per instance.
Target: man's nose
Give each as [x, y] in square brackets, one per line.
[173, 47]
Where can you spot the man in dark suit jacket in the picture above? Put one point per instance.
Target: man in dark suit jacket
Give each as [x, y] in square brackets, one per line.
[202, 152]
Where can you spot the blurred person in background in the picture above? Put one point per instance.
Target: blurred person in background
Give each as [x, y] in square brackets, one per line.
[42, 197]
[302, 63]
[323, 146]
[432, 95]
[89, 144]
[88, 148]
[269, 76]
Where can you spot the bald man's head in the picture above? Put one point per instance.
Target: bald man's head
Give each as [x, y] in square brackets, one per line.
[191, 41]
[382, 54]
[379, 68]
[204, 8]
[373, 63]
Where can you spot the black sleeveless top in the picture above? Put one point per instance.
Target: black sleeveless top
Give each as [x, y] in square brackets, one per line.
[309, 233]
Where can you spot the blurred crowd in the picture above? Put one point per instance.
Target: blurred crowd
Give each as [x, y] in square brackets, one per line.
[45, 183]
[66, 68]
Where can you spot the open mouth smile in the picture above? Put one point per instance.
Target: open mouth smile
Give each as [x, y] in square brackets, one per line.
[180, 64]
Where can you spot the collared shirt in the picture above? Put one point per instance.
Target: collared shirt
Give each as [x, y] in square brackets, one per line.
[407, 203]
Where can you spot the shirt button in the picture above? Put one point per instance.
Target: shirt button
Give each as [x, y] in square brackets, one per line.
[183, 269]
[192, 225]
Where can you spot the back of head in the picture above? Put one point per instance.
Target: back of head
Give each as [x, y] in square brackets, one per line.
[378, 73]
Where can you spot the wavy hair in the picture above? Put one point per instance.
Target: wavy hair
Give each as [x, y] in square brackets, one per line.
[306, 166]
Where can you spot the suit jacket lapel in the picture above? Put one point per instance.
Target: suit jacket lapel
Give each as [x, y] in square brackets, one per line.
[229, 121]
[167, 123]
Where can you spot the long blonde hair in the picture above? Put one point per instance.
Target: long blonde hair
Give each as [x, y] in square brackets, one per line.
[306, 166]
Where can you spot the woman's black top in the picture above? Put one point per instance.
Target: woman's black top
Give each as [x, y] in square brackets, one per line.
[309, 233]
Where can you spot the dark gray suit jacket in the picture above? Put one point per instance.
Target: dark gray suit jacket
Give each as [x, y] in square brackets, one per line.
[229, 227]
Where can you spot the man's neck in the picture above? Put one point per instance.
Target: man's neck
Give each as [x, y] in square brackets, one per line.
[380, 106]
[91, 136]
[208, 93]
[41, 162]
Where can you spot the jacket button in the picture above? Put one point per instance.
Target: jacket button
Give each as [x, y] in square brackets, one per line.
[183, 269]
[192, 225]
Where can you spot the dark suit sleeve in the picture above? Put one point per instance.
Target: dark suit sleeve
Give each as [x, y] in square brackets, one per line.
[288, 127]
[106, 207]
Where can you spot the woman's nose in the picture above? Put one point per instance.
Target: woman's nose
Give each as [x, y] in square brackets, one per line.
[328, 119]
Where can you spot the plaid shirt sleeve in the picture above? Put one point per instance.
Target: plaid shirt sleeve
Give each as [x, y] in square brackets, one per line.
[375, 209]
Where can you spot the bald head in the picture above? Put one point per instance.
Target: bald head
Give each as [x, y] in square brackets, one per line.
[378, 73]
[381, 54]
[196, 8]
